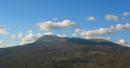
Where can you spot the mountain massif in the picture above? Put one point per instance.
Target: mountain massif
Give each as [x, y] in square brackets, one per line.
[62, 52]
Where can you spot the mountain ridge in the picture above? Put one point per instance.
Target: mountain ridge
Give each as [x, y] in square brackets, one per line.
[56, 39]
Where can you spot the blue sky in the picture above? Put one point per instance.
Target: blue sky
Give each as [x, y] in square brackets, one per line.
[21, 16]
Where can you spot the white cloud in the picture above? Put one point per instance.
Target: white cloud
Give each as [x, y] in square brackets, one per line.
[13, 37]
[74, 35]
[126, 14]
[24, 38]
[61, 35]
[91, 18]
[49, 25]
[29, 37]
[120, 27]
[78, 30]
[2, 42]
[20, 35]
[3, 30]
[102, 31]
[122, 42]
[111, 17]
[5, 44]
[47, 33]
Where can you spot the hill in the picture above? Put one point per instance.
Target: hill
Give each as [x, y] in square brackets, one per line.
[62, 52]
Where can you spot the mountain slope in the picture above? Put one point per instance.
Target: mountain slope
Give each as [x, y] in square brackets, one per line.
[56, 52]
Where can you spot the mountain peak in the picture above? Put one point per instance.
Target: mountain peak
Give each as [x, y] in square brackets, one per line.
[50, 39]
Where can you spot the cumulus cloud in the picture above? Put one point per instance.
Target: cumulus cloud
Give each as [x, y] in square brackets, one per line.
[119, 27]
[24, 38]
[91, 18]
[122, 42]
[126, 14]
[49, 25]
[102, 31]
[3, 30]
[111, 17]
[29, 37]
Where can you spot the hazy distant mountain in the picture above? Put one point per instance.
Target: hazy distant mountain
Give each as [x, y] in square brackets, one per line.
[62, 52]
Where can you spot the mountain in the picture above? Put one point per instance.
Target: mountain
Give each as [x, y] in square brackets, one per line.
[62, 52]
[51, 39]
